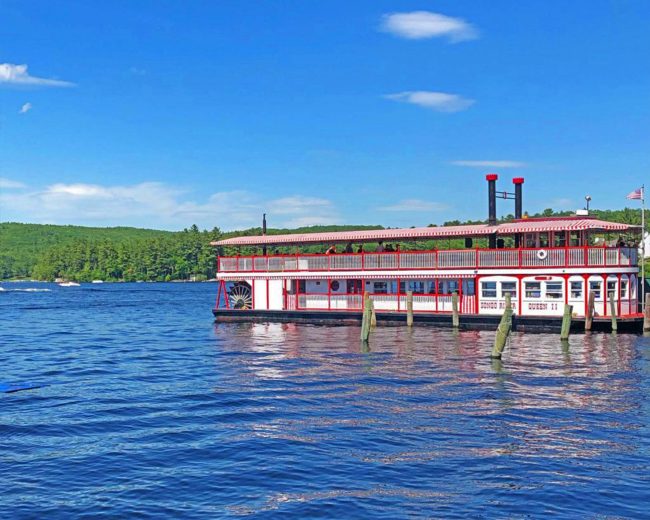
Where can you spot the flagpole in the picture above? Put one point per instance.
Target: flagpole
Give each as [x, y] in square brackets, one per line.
[643, 247]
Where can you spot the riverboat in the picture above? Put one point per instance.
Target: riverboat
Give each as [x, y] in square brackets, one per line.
[543, 263]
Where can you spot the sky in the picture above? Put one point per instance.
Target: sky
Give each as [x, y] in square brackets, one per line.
[164, 114]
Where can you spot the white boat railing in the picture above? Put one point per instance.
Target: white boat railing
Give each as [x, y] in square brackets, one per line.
[440, 259]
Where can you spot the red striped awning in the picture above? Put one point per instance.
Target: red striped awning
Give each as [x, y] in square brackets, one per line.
[430, 233]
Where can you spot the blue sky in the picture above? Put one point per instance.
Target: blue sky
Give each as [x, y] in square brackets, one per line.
[164, 114]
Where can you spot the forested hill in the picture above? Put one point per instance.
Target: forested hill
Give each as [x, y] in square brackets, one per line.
[46, 252]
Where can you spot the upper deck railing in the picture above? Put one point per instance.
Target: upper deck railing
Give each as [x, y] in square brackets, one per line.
[438, 259]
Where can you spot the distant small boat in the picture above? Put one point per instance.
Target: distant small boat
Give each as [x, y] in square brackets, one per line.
[68, 284]
[97, 281]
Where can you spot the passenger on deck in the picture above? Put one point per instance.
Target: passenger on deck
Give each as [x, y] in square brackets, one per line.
[397, 248]
[620, 242]
[348, 248]
[331, 250]
[389, 249]
[360, 248]
[380, 247]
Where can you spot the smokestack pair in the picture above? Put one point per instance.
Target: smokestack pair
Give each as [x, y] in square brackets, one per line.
[492, 203]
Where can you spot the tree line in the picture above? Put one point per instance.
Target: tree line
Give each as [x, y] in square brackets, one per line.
[47, 252]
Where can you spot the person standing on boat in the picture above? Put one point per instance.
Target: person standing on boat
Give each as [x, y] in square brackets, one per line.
[380, 247]
[331, 250]
[348, 248]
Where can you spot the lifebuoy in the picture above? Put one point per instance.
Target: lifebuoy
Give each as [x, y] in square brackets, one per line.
[542, 254]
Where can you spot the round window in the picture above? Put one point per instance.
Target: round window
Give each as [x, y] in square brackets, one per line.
[335, 285]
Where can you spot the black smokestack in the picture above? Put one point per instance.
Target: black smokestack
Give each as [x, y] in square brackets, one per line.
[492, 198]
[518, 182]
[492, 206]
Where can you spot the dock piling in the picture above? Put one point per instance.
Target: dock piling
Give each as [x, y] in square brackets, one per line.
[455, 321]
[566, 322]
[503, 331]
[612, 309]
[409, 308]
[589, 318]
[646, 314]
[373, 314]
[365, 321]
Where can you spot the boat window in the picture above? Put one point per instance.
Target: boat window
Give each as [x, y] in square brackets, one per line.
[530, 240]
[554, 290]
[302, 287]
[509, 287]
[576, 290]
[380, 288]
[488, 289]
[452, 286]
[533, 289]
[417, 286]
[559, 239]
[431, 287]
[574, 239]
[594, 287]
[611, 288]
[469, 288]
[354, 286]
[543, 240]
[623, 289]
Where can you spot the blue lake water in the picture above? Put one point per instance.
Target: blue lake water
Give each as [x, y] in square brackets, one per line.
[155, 411]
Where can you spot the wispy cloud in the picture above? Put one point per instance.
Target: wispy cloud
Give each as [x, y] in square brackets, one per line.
[18, 75]
[25, 108]
[415, 205]
[418, 25]
[154, 204]
[136, 71]
[438, 101]
[490, 164]
[10, 185]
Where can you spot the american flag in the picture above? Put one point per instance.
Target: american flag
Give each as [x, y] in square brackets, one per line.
[636, 194]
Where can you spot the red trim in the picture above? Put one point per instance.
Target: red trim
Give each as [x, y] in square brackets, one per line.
[518, 180]
[253, 293]
[492, 177]
[268, 304]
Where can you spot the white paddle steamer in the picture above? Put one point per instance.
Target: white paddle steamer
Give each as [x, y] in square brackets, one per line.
[544, 263]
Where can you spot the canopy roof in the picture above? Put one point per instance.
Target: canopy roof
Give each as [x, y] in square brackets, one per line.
[429, 233]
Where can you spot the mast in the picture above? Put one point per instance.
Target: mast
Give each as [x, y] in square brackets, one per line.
[643, 247]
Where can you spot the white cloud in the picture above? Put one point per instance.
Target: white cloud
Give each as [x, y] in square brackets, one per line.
[11, 74]
[415, 205]
[25, 108]
[490, 164]
[154, 204]
[418, 25]
[9, 184]
[439, 101]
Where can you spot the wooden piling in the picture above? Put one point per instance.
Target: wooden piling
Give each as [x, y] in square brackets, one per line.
[373, 314]
[612, 310]
[503, 331]
[455, 321]
[409, 308]
[646, 314]
[589, 318]
[365, 321]
[566, 322]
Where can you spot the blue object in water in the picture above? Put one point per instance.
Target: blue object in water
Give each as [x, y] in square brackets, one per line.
[9, 388]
